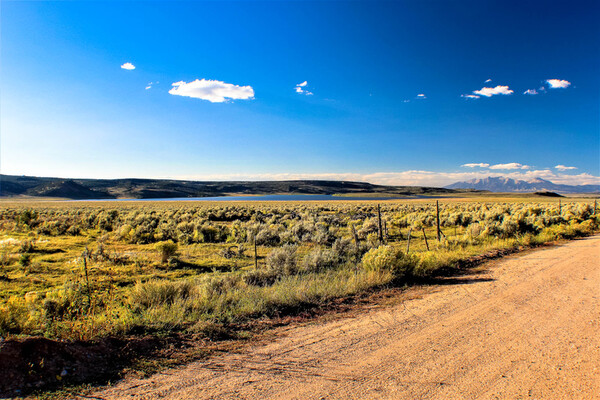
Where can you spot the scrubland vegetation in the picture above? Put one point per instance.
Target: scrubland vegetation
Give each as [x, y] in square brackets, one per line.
[87, 270]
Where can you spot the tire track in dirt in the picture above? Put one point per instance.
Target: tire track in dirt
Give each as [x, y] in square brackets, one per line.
[528, 327]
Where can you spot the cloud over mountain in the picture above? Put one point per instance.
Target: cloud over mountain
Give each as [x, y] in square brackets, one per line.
[512, 165]
[473, 165]
[564, 167]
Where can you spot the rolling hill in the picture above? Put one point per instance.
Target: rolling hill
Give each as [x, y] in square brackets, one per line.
[12, 186]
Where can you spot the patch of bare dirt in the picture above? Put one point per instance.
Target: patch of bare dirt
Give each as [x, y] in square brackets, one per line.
[38, 363]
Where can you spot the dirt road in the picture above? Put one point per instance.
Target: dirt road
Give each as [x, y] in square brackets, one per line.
[527, 327]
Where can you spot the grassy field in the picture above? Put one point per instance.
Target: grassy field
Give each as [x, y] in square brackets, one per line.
[85, 270]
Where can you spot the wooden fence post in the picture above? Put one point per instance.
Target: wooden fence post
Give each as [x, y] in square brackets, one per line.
[437, 207]
[385, 231]
[379, 227]
[559, 207]
[87, 279]
[425, 237]
[255, 254]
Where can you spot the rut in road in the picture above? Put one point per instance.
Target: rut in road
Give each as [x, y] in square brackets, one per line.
[528, 327]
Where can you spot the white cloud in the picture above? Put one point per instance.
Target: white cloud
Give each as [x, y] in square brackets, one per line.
[513, 165]
[148, 87]
[406, 101]
[469, 96]
[421, 96]
[564, 167]
[489, 92]
[212, 90]
[473, 165]
[409, 178]
[299, 89]
[128, 66]
[531, 92]
[488, 80]
[558, 83]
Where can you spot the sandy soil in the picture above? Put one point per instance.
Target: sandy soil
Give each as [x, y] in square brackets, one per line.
[528, 326]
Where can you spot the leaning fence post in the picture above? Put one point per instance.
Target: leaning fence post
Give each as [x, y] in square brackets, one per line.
[255, 254]
[425, 237]
[379, 228]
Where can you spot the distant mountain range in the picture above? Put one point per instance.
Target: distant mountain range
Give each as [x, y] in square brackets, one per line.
[11, 186]
[502, 184]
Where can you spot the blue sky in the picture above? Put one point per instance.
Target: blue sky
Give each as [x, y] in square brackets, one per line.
[218, 90]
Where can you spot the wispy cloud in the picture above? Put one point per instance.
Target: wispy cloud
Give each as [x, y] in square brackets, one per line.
[212, 90]
[409, 178]
[473, 165]
[489, 92]
[558, 83]
[150, 84]
[488, 80]
[509, 166]
[300, 89]
[128, 66]
[564, 167]
[531, 92]
[469, 96]
[421, 96]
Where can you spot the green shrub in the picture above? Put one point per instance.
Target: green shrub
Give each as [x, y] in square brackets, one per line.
[320, 260]
[12, 316]
[267, 237]
[261, 277]
[343, 248]
[68, 302]
[388, 258]
[166, 250]
[283, 260]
